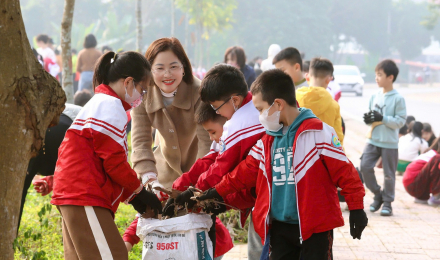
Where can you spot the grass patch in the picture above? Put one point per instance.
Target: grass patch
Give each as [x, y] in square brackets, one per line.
[50, 240]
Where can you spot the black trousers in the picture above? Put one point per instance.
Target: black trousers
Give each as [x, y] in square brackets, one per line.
[285, 243]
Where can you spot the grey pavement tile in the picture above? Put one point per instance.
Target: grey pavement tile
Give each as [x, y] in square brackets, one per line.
[434, 254]
[411, 257]
[372, 255]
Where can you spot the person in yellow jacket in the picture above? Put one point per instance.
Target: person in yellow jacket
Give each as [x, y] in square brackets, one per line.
[318, 99]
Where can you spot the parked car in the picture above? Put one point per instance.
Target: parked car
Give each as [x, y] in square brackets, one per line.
[349, 78]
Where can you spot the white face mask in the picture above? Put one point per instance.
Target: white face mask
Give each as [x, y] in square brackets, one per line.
[272, 122]
[135, 100]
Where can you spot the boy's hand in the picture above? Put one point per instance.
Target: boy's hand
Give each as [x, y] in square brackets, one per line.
[185, 198]
[145, 198]
[358, 221]
[210, 194]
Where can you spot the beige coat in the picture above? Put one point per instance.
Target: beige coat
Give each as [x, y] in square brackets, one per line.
[180, 140]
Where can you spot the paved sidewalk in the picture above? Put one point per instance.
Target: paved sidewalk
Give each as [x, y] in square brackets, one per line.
[412, 233]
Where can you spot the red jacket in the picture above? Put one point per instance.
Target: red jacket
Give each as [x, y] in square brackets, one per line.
[240, 133]
[426, 180]
[223, 241]
[414, 168]
[92, 167]
[320, 166]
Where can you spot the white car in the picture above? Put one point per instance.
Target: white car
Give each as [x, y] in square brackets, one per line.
[349, 78]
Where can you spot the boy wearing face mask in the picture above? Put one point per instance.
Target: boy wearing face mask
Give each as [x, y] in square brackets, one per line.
[295, 168]
[224, 88]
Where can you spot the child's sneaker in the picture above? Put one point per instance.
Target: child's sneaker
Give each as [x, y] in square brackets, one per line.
[433, 201]
[375, 206]
[387, 210]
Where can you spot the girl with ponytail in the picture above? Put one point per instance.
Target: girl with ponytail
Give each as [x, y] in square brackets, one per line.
[92, 174]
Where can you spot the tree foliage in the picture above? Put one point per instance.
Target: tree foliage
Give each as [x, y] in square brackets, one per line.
[317, 28]
[208, 14]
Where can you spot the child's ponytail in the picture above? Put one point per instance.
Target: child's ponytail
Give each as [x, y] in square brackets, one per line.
[417, 130]
[102, 68]
[111, 67]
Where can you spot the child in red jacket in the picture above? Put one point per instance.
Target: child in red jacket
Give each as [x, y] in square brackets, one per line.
[92, 174]
[225, 89]
[213, 124]
[296, 169]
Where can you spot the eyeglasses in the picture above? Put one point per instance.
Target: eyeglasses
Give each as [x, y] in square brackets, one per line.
[172, 70]
[216, 109]
[143, 91]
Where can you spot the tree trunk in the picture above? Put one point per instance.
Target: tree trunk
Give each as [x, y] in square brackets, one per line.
[30, 100]
[139, 25]
[173, 18]
[66, 53]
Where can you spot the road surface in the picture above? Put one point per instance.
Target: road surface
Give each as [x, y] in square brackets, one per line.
[422, 102]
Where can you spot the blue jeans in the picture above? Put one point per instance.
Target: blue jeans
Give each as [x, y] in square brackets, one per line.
[86, 81]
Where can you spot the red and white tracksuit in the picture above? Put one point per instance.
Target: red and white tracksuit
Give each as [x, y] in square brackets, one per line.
[92, 167]
[319, 166]
[240, 133]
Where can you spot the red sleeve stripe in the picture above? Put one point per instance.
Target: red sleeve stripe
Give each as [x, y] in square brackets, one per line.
[101, 125]
[319, 146]
[242, 130]
[252, 152]
[256, 131]
[331, 153]
[94, 127]
[303, 164]
[258, 148]
[308, 155]
[103, 122]
[334, 149]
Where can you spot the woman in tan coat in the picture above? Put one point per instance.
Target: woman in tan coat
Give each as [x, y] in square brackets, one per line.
[169, 106]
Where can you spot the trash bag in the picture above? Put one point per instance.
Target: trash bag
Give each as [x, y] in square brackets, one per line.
[179, 238]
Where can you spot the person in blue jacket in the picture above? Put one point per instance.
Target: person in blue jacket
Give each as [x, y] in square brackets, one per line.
[387, 114]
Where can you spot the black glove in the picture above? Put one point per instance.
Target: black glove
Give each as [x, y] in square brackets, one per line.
[215, 208]
[358, 221]
[377, 117]
[210, 194]
[145, 198]
[367, 118]
[168, 210]
[185, 198]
